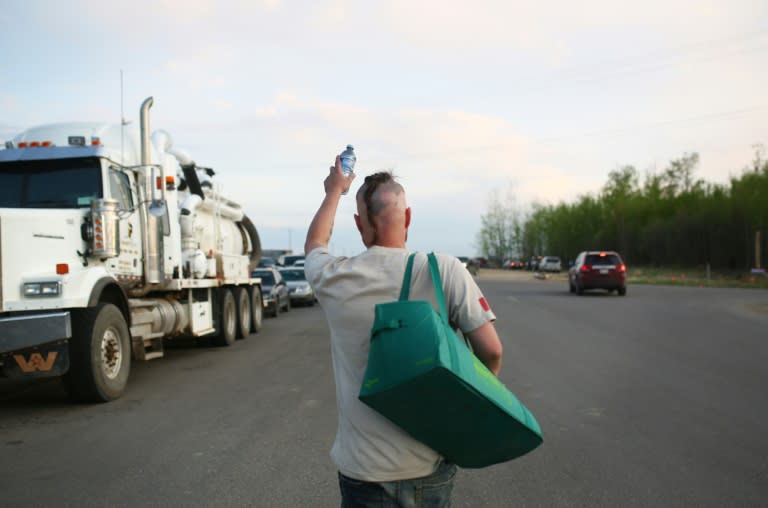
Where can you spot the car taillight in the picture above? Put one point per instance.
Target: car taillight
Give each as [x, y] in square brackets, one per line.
[622, 267]
[585, 268]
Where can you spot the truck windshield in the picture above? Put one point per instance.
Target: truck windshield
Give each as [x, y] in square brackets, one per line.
[52, 183]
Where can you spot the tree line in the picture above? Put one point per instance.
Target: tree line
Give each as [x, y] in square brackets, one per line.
[669, 218]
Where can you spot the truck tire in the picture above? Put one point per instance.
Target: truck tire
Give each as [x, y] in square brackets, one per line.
[100, 354]
[243, 301]
[227, 319]
[257, 309]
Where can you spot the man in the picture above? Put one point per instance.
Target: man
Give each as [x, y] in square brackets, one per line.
[379, 464]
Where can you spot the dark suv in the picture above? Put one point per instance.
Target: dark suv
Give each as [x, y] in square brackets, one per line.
[598, 270]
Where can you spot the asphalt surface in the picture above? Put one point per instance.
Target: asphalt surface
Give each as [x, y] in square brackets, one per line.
[653, 399]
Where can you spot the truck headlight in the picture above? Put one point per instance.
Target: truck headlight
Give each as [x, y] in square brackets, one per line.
[34, 289]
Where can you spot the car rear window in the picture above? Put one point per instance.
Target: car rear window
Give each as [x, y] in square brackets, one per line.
[293, 275]
[290, 260]
[266, 277]
[608, 259]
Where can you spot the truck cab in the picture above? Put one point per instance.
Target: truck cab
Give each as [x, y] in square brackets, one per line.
[110, 245]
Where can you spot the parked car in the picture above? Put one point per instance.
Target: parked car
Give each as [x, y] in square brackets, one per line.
[274, 290]
[550, 264]
[290, 259]
[265, 262]
[598, 270]
[481, 262]
[298, 288]
[513, 264]
[469, 264]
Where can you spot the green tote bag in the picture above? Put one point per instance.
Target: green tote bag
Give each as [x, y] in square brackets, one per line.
[424, 378]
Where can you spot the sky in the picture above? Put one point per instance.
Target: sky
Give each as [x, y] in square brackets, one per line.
[530, 102]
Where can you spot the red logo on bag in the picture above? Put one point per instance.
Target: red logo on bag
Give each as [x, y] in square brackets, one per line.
[484, 304]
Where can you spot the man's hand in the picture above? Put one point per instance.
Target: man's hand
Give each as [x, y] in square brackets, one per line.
[337, 181]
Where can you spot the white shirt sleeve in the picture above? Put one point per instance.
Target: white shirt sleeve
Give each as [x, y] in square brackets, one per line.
[467, 306]
[314, 263]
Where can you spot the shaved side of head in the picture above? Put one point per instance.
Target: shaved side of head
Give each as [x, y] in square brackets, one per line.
[381, 204]
[387, 199]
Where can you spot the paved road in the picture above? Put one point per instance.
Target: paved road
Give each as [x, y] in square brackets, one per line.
[654, 399]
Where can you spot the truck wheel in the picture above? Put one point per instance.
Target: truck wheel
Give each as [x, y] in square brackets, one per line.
[100, 354]
[243, 312]
[227, 322]
[257, 310]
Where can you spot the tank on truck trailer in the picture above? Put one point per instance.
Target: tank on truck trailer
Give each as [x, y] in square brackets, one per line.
[113, 241]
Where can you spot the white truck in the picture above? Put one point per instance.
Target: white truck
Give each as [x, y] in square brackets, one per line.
[113, 241]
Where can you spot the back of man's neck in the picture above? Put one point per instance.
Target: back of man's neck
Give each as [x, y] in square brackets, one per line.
[389, 245]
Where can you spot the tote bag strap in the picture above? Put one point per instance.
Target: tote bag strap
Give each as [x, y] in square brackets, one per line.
[434, 270]
[406, 287]
[437, 283]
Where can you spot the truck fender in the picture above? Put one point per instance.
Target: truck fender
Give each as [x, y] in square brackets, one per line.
[250, 230]
[107, 290]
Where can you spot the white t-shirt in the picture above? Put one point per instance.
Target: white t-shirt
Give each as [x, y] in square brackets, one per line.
[368, 446]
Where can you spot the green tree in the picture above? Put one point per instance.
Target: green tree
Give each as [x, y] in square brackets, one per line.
[618, 197]
[670, 219]
[500, 235]
[678, 177]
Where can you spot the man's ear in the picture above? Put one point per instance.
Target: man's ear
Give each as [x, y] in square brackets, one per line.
[407, 217]
[359, 224]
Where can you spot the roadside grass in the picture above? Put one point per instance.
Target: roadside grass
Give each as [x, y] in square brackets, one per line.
[695, 277]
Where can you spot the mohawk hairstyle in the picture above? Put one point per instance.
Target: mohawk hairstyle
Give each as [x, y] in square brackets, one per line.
[368, 189]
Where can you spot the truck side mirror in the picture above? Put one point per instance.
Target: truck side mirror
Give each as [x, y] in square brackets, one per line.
[159, 209]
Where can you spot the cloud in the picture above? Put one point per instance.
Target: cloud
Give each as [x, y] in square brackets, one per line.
[9, 104]
[203, 64]
[448, 161]
[561, 34]
[180, 12]
[457, 98]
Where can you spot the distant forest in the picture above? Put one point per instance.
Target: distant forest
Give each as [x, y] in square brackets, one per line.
[667, 219]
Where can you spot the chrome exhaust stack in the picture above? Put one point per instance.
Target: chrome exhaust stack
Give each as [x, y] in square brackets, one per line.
[153, 237]
[146, 157]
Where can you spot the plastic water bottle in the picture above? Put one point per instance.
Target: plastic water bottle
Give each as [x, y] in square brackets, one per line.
[348, 160]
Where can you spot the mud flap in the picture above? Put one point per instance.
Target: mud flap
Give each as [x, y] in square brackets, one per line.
[45, 360]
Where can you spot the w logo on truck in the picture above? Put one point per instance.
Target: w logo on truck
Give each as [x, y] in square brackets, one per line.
[36, 362]
[50, 360]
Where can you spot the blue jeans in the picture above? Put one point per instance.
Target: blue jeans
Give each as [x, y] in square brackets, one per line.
[433, 491]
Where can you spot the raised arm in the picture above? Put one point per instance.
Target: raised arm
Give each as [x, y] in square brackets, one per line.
[321, 227]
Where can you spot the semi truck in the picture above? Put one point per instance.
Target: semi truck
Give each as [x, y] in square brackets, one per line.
[112, 242]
